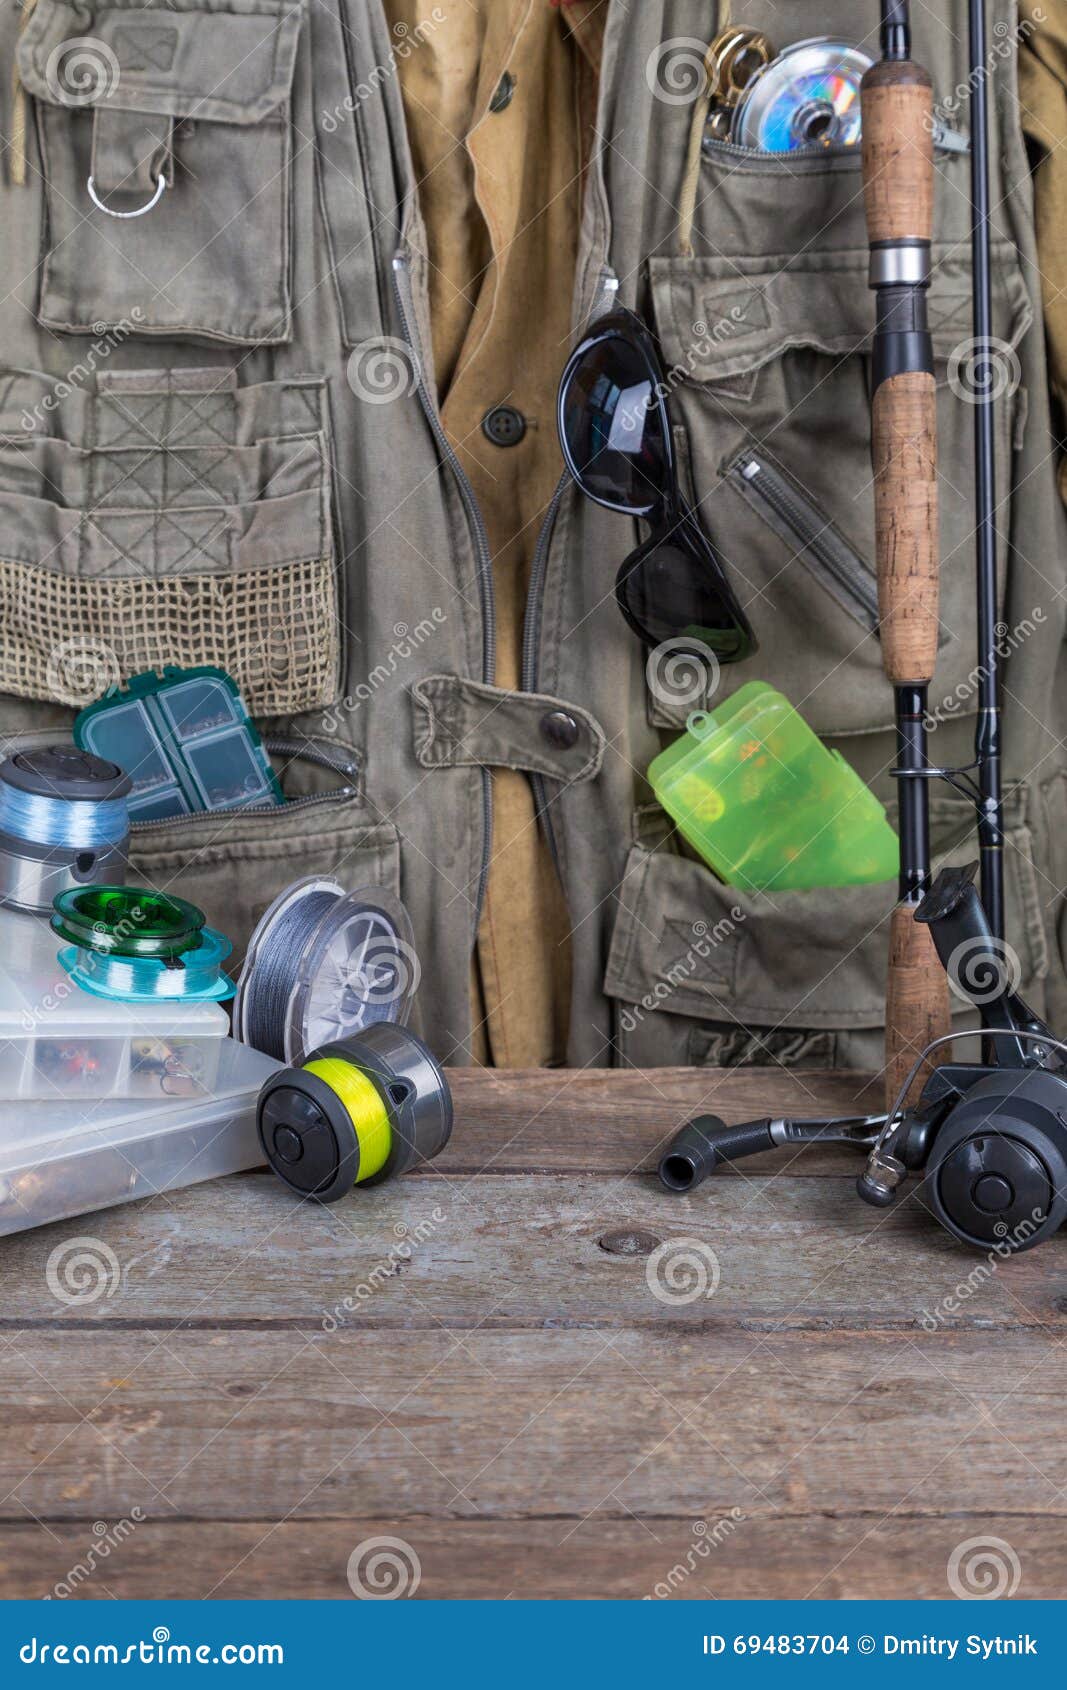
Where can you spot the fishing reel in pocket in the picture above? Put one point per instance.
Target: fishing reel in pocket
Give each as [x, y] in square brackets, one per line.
[988, 1138]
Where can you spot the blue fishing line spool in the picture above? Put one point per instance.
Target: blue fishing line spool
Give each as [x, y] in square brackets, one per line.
[140, 947]
[64, 823]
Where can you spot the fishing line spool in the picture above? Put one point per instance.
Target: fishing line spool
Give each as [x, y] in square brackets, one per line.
[322, 965]
[358, 1112]
[140, 947]
[809, 96]
[64, 823]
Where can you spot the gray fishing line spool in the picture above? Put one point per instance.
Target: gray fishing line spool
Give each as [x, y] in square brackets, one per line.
[322, 965]
[64, 823]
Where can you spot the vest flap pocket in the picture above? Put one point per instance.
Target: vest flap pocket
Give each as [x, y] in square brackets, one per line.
[723, 318]
[166, 147]
[219, 64]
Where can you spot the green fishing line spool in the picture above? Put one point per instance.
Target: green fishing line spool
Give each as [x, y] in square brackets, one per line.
[358, 1112]
[138, 946]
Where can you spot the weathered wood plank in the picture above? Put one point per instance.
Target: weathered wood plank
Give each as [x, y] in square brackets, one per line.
[498, 1425]
[795, 1557]
[598, 1120]
[519, 1251]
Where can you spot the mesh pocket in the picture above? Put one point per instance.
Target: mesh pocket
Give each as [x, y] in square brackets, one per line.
[274, 630]
[168, 517]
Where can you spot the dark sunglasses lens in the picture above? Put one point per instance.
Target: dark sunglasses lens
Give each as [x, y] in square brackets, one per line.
[667, 594]
[613, 428]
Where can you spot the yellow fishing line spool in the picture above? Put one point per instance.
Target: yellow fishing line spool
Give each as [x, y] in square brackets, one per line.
[358, 1112]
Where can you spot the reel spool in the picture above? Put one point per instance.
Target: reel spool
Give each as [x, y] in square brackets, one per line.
[139, 947]
[322, 966]
[358, 1112]
[808, 97]
[63, 823]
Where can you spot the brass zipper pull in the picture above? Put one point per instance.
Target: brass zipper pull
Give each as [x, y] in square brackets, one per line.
[17, 152]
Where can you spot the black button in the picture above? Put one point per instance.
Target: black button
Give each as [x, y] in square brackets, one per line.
[288, 1144]
[560, 729]
[504, 90]
[992, 1194]
[504, 425]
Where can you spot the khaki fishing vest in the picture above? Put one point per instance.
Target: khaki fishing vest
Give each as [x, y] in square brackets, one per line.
[219, 443]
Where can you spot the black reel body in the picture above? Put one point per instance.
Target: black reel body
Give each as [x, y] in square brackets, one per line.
[989, 1138]
[996, 1174]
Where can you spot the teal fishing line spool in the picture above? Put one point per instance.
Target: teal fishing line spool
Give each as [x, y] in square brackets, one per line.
[140, 947]
[64, 822]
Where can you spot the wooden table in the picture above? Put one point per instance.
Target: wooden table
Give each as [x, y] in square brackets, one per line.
[472, 1361]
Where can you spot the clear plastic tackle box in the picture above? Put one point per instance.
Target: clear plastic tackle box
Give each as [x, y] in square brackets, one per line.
[57, 1041]
[66, 1158]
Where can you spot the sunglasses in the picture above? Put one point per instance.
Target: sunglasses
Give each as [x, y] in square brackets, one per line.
[615, 431]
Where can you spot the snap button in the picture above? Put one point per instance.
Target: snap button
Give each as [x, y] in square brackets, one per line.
[504, 425]
[560, 729]
[504, 90]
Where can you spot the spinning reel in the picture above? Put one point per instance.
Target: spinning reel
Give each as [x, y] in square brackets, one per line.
[989, 1138]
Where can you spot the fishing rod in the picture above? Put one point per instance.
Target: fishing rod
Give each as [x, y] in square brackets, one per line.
[987, 733]
[898, 179]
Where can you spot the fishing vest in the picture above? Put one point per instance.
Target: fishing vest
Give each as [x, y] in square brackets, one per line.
[219, 444]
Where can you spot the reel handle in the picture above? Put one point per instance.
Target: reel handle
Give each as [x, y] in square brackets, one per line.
[704, 1144]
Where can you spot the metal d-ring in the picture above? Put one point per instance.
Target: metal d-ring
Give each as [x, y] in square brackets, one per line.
[150, 205]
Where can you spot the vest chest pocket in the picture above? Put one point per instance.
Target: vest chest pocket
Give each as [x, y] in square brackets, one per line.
[165, 139]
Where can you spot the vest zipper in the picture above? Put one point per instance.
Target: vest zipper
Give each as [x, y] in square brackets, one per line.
[406, 308]
[326, 757]
[823, 550]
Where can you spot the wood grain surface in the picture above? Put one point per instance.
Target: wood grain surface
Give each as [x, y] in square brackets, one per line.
[544, 1374]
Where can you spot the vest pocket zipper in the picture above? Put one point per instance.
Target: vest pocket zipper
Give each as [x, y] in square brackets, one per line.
[338, 761]
[814, 540]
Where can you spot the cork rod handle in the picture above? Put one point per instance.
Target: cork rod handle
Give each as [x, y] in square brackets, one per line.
[898, 195]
